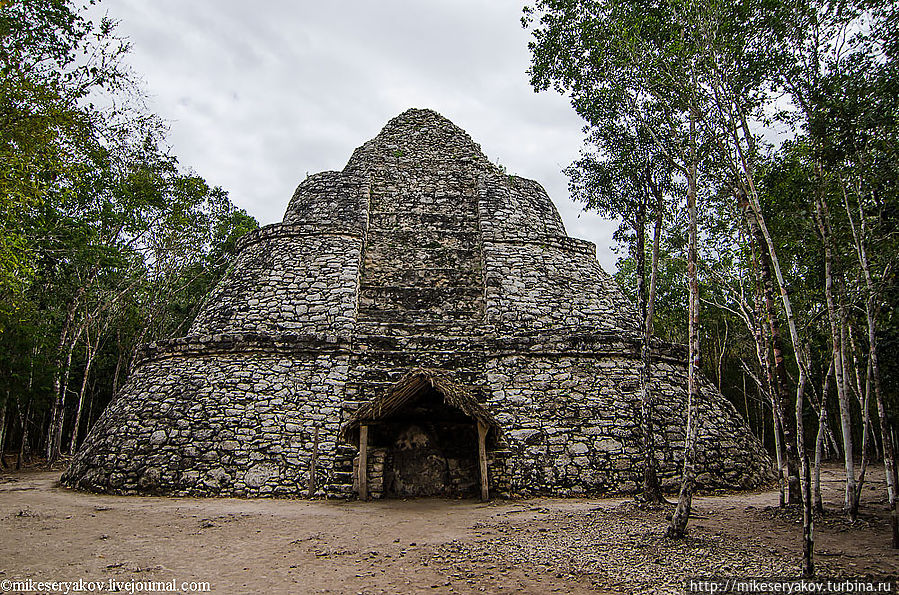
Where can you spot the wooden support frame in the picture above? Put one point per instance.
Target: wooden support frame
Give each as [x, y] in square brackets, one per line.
[312, 461]
[363, 463]
[482, 459]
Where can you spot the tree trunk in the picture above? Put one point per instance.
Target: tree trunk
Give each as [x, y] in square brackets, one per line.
[118, 364]
[681, 514]
[746, 404]
[780, 390]
[24, 457]
[808, 567]
[57, 411]
[889, 463]
[91, 352]
[862, 396]
[765, 363]
[62, 382]
[747, 161]
[778, 450]
[808, 527]
[819, 440]
[866, 447]
[819, 447]
[836, 334]
[722, 350]
[3, 409]
[652, 491]
[90, 407]
[24, 454]
[762, 428]
[777, 370]
[889, 453]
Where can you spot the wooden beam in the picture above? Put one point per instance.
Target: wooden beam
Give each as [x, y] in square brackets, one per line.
[363, 462]
[312, 462]
[482, 459]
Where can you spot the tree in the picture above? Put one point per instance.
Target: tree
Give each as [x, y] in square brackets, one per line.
[101, 232]
[633, 66]
[45, 128]
[625, 177]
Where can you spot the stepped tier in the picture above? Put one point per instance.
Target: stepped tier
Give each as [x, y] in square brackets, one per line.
[424, 278]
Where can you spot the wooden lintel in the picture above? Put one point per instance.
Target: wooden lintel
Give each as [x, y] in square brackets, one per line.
[363, 462]
[482, 459]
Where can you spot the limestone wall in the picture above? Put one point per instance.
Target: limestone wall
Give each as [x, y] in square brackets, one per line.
[422, 262]
[551, 284]
[330, 201]
[536, 277]
[287, 278]
[225, 424]
[515, 208]
[573, 426]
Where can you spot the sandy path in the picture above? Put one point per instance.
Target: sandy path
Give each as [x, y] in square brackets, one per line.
[237, 545]
[418, 546]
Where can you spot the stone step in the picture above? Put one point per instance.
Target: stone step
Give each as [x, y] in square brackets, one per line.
[352, 406]
[378, 314]
[386, 255]
[420, 297]
[449, 202]
[342, 477]
[344, 466]
[403, 328]
[424, 277]
[425, 238]
[340, 491]
[412, 220]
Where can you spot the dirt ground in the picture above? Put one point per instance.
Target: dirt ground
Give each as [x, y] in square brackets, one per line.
[422, 546]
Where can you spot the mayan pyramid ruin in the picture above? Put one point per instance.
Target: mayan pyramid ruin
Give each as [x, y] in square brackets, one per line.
[420, 324]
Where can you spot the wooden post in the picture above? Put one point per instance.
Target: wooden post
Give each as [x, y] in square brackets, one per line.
[312, 462]
[482, 459]
[363, 462]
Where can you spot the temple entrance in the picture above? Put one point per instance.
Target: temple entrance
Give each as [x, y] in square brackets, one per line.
[431, 450]
[425, 437]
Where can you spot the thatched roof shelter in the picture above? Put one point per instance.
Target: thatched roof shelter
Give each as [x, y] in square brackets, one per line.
[410, 386]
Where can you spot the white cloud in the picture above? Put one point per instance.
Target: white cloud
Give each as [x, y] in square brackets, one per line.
[260, 94]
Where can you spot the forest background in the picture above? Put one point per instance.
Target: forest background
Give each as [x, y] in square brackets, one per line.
[749, 149]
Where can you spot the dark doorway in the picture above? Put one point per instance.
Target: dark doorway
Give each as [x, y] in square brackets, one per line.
[431, 449]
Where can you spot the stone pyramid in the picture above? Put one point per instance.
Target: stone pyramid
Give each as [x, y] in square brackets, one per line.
[425, 300]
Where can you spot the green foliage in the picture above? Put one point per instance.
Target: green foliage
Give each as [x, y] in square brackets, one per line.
[105, 242]
[820, 77]
[51, 59]
[670, 321]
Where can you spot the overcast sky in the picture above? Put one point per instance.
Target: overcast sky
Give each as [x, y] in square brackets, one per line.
[258, 94]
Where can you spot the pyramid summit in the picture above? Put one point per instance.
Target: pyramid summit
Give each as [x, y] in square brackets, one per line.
[419, 324]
